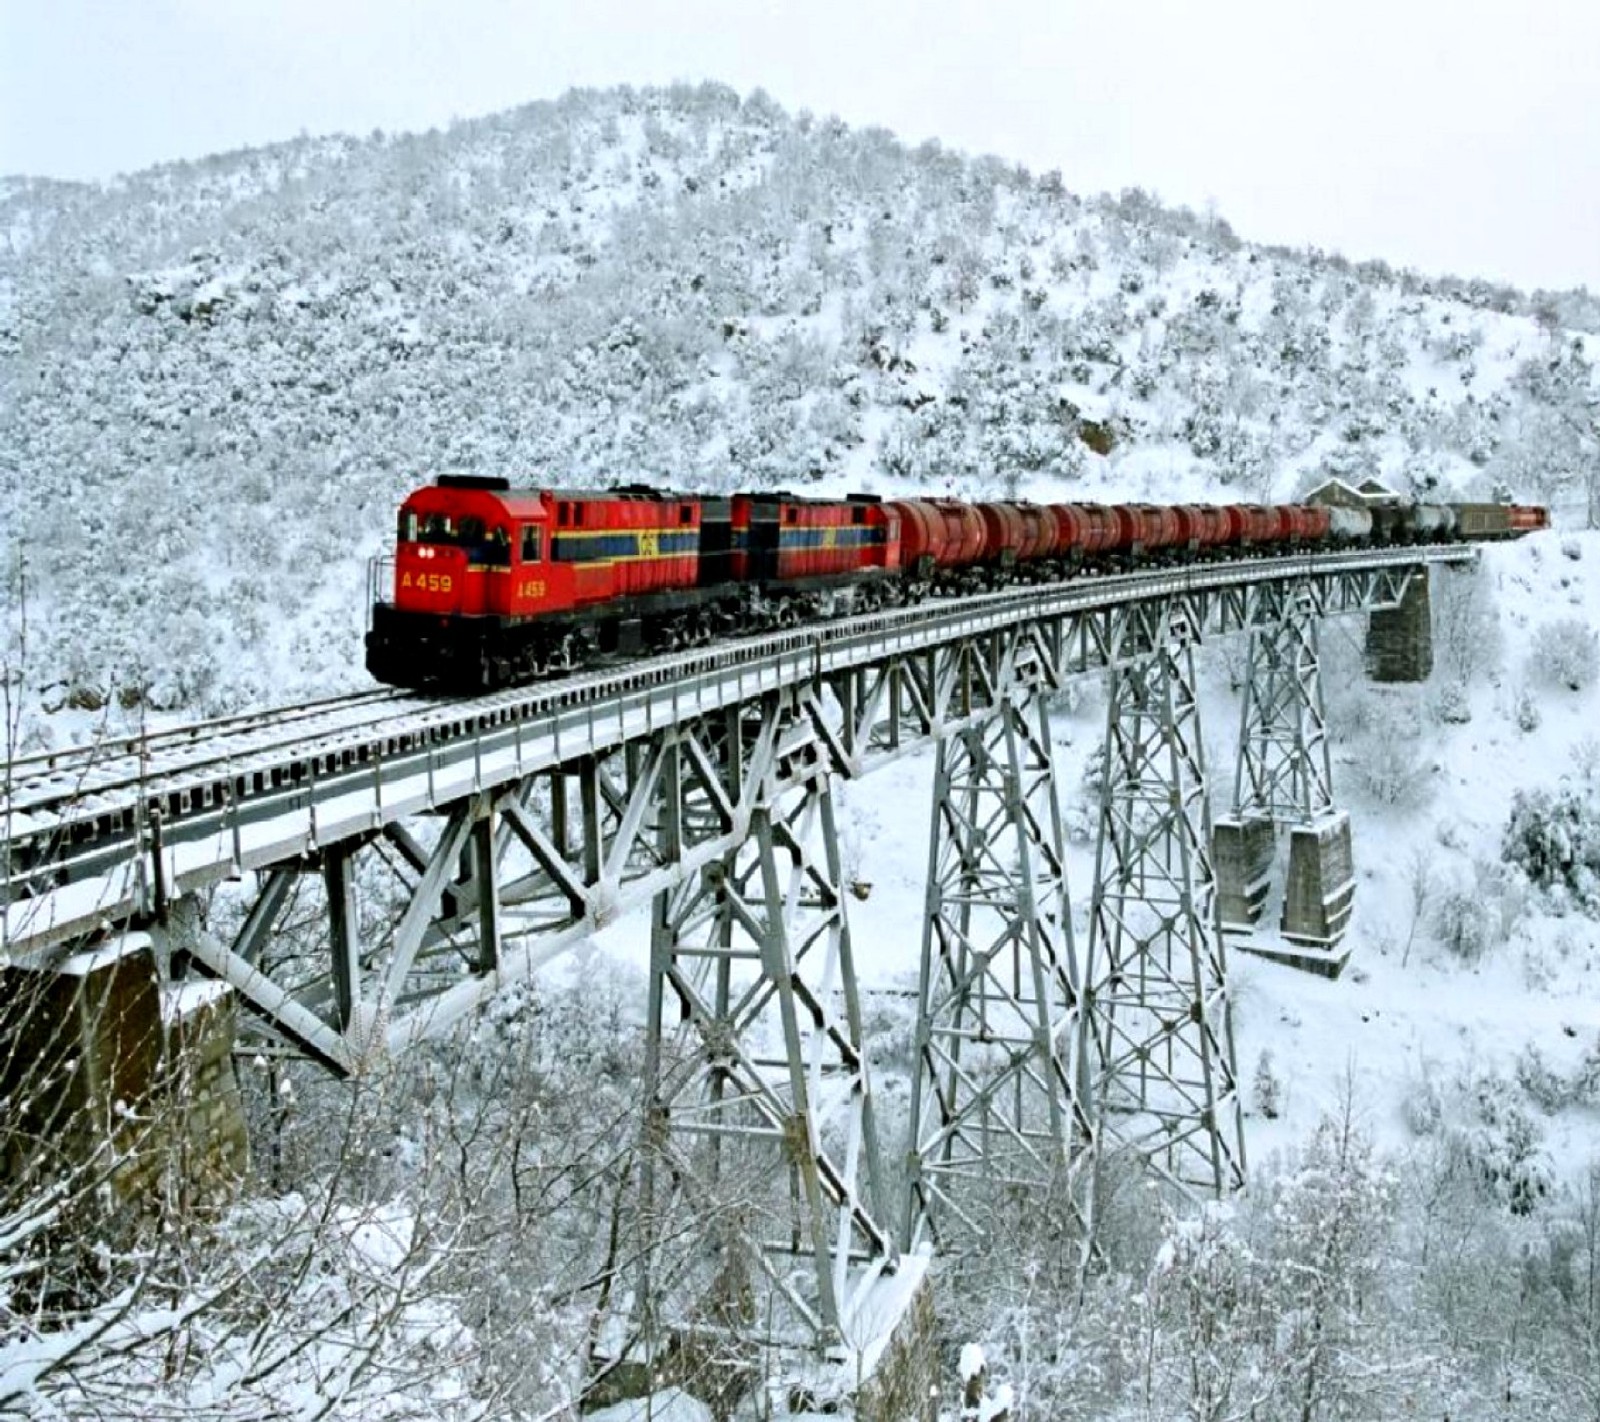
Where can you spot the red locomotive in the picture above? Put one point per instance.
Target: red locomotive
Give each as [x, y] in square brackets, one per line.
[494, 585]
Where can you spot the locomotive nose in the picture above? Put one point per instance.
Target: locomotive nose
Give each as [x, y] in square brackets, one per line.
[430, 578]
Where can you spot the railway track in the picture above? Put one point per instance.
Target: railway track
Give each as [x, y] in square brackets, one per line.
[103, 788]
[90, 835]
[43, 782]
[44, 791]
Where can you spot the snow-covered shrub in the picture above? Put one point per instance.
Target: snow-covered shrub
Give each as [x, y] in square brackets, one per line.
[1525, 711]
[1504, 1146]
[1459, 922]
[1388, 762]
[1266, 1091]
[889, 1029]
[1555, 840]
[1453, 706]
[1566, 653]
[1477, 913]
[1466, 628]
[1391, 770]
[1585, 1086]
[1544, 1085]
[1586, 758]
[1422, 1106]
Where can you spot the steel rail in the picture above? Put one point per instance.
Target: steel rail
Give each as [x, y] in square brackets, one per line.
[45, 777]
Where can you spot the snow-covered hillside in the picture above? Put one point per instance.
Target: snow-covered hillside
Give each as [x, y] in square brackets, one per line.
[220, 377]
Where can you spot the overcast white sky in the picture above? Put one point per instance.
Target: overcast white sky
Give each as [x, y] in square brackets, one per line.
[1461, 137]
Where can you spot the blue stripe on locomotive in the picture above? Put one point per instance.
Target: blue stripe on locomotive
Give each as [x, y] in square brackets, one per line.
[623, 545]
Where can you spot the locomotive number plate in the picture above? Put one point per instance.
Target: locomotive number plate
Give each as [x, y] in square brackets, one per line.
[428, 582]
[531, 587]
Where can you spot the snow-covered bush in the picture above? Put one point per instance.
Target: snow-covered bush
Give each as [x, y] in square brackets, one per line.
[1585, 1085]
[1525, 711]
[1266, 1090]
[1422, 1107]
[1544, 1085]
[1586, 758]
[1466, 627]
[1554, 838]
[1566, 653]
[1504, 1146]
[1460, 924]
[1453, 705]
[1390, 766]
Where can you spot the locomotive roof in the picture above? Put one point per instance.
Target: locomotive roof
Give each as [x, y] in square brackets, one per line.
[499, 484]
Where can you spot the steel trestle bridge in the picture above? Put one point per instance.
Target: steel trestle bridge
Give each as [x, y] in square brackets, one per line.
[450, 848]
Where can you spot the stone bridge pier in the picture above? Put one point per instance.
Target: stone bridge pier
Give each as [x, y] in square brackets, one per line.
[118, 1083]
[1283, 785]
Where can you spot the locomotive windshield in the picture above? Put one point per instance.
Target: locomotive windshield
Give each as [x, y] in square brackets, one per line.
[429, 528]
[483, 544]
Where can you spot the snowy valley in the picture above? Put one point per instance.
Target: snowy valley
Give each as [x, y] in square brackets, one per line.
[218, 379]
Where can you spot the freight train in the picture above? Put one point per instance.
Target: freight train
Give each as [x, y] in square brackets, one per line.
[493, 586]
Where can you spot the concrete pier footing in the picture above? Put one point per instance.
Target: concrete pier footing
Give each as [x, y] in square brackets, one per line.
[1400, 640]
[1320, 890]
[1241, 858]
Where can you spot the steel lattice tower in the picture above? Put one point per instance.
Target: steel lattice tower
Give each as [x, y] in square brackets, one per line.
[759, 1123]
[1283, 772]
[1284, 780]
[1167, 1084]
[999, 1105]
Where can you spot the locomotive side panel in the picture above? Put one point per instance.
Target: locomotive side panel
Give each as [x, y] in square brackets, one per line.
[625, 547]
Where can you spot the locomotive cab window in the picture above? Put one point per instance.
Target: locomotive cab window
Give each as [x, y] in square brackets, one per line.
[858, 514]
[686, 515]
[408, 526]
[531, 541]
